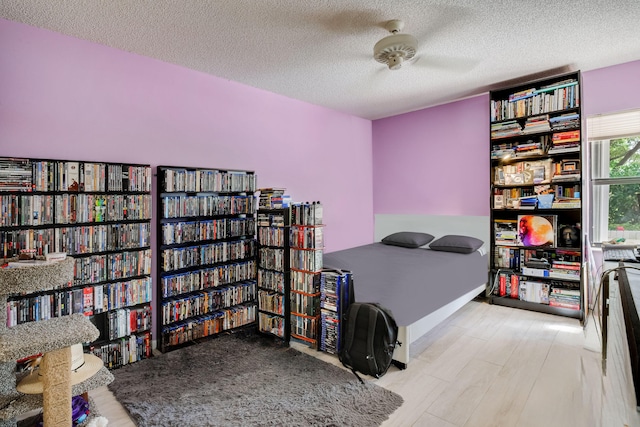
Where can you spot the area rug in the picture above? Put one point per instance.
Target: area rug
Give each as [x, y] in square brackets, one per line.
[247, 380]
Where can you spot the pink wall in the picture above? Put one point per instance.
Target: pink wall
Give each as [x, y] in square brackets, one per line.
[611, 89]
[432, 161]
[64, 98]
[438, 156]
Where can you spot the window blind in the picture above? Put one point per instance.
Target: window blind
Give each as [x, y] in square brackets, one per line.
[613, 126]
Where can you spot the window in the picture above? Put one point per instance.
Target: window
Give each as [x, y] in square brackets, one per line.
[615, 176]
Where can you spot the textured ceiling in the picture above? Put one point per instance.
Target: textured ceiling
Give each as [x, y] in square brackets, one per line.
[322, 51]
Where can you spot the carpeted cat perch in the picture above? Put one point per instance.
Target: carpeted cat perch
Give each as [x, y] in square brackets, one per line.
[53, 338]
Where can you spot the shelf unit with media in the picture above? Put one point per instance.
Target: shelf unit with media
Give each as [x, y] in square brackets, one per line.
[536, 258]
[99, 214]
[306, 246]
[206, 253]
[273, 272]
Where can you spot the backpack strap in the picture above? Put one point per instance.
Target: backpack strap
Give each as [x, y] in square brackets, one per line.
[392, 345]
[392, 331]
[348, 339]
[371, 355]
[351, 327]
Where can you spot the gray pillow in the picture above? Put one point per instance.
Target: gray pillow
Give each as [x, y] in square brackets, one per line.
[408, 239]
[455, 243]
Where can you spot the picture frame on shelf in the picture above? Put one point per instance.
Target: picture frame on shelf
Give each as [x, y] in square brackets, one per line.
[537, 230]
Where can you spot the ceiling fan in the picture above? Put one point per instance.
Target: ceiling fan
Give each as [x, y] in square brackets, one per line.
[396, 49]
[399, 49]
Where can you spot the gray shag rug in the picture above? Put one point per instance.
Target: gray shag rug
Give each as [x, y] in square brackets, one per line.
[247, 380]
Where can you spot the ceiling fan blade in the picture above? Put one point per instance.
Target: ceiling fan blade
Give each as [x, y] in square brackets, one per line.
[439, 22]
[445, 63]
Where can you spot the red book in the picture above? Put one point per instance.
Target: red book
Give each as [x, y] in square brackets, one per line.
[147, 345]
[564, 305]
[133, 320]
[87, 301]
[515, 285]
[503, 285]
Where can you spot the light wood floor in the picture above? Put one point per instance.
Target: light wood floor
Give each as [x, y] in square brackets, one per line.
[494, 366]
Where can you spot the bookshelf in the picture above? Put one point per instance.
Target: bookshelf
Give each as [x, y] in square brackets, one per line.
[536, 257]
[206, 253]
[274, 222]
[98, 213]
[306, 245]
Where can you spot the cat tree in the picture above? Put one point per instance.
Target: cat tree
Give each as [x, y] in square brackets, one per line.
[51, 337]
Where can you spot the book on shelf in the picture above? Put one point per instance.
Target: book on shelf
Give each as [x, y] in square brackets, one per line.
[522, 94]
[273, 198]
[72, 176]
[528, 202]
[505, 129]
[537, 124]
[508, 284]
[534, 291]
[16, 174]
[565, 122]
[565, 298]
[87, 301]
[568, 148]
[505, 257]
[566, 177]
[566, 137]
[505, 231]
[535, 272]
[566, 203]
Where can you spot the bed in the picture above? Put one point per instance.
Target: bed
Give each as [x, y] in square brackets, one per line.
[421, 286]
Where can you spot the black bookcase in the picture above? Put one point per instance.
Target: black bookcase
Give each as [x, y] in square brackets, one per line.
[273, 272]
[536, 258]
[98, 213]
[206, 253]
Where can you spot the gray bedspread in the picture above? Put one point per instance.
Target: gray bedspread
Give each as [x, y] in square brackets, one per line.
[412, 283]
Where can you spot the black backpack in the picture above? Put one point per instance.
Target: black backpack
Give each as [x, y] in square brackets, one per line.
[370, 336]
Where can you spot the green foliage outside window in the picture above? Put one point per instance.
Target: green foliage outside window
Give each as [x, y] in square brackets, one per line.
[624, 200]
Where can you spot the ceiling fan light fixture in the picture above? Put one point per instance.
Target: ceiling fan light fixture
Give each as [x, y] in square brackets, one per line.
[395, 62]
[393, 50]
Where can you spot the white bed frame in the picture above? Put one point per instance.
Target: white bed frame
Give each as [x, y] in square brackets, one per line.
[437, 225]
[411, 333]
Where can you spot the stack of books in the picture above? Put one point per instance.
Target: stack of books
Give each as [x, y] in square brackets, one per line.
[533, 291]
[566, 270]
[505, 232]
[528, 202]
[503, 150]
[566, 203]
[273, 198]
[529, 148]
[565, 122]
[15, 175]
[565, 298]
[565, 142]
[537, 124]
[505, 129]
